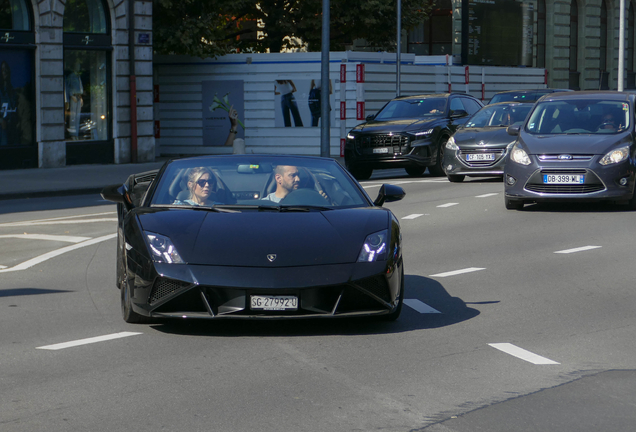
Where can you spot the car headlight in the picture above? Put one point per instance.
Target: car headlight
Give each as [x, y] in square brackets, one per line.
[615, 156]
[519, 155]
[374, 247]
[423, 133]
[351, 136]
[450, 144]
[162, 250]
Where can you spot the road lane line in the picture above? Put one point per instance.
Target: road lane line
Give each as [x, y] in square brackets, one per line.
[419, 306]
[57, 222]
[39, 259]
[413, 216]
[371, 185]
[580, 249]
[87, 341]
[2, 267]
[68, 239]
[486, 195]
[458, 272]
[528, 356]
[447, 205]
[58, 218]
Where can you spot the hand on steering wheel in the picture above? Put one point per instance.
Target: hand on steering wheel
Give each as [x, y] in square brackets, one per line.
[319, 188]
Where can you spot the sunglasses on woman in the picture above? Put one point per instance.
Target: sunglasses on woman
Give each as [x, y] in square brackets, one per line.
[202, 182]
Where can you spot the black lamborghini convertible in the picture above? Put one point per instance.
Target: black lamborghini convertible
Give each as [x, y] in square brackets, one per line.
[248, 236]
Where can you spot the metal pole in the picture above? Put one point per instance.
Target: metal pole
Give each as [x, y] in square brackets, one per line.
[621, 46]
[325, 127]
[399, 46]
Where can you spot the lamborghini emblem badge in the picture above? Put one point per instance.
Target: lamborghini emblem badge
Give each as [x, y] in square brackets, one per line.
[271, 257]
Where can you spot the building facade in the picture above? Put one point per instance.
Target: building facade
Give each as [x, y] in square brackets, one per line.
[75, 82]
[576, 41]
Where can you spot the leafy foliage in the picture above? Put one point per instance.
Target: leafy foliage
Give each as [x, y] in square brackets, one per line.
[210, 27]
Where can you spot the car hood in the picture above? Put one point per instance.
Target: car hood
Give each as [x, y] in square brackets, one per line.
[397, 125]
[492, 137]
[573, 144]
[247, 238]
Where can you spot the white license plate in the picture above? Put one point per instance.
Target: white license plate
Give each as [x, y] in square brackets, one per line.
[563, 179]
[258, 302]
[480, 157]
[381, 150]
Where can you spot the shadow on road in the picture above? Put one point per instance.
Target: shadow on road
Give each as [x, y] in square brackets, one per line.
[51, 203]
[452, 310]
[575, 207]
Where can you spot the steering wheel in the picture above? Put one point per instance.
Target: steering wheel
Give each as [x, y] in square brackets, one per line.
[310, 197]
[319, 188]
[612, 127]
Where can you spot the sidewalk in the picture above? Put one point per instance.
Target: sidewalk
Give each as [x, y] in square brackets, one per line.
[70, 180]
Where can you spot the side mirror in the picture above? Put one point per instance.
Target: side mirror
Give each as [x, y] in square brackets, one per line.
[458, 113]
[389, 193]
[115, 193]
[513, 130]
[370, 117]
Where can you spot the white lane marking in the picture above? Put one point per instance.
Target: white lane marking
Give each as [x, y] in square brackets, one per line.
[413, 216]
[458, 272]
[445, 180]
[370, 185]
[447, 205]
[69, 239]
[58, 222]
[528, 356]
[486, 195]
[58, 218]
[419, 306]
[2, 267]
[580, 249]
[39, 259]
[87, 341]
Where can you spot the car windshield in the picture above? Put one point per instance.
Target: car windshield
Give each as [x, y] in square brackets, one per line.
[499, 115]
[410, 108]
[522, 96]
[579, 116]
[261, 183]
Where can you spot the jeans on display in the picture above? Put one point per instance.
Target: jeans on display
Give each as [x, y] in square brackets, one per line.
[287, 104]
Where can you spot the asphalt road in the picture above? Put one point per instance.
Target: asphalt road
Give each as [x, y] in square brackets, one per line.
[514, 321]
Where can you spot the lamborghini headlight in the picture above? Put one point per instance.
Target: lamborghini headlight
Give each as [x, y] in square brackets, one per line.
[374, 247]
[615, 156]
[162, 250]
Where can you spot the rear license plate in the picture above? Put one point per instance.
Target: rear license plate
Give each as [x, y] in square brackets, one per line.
[563, 179]
[258, 302]
[480, 157]
[381, 150]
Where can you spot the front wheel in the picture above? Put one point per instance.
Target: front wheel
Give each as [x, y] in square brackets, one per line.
[455, 178]
[437, 170]
[512, 204]
[415, 171]
[129, 315]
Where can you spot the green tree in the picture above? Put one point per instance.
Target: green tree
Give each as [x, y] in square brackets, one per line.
[210, 27]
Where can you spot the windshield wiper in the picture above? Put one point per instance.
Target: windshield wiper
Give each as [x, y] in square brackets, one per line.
[304, 208]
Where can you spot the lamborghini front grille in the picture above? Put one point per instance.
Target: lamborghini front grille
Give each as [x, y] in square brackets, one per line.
[164, 287]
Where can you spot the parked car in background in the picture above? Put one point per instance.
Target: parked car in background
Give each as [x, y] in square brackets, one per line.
[523, 95]
[479, 148]
[408, 132]
[576, 146]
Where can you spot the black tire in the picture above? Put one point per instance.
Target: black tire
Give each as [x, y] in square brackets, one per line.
[361, 173]
[512, 204]
[437, 170]
[415, 171]
[455, 178]
[127, 312]
[396, 313]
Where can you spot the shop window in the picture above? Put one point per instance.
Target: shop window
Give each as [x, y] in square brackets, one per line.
[87, 82]
[17, 86]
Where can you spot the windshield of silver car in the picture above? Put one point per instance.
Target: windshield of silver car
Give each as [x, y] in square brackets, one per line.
[579, 116]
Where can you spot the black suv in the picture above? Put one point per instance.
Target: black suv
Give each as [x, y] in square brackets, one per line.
[408, 132]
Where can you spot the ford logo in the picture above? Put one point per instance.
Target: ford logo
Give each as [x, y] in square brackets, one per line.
[565, 157]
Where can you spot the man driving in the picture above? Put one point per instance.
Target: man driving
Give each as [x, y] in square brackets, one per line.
[287, 180]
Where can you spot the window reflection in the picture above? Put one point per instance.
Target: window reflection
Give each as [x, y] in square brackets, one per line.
[85, 16]
[14, 15]
[85, 95]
